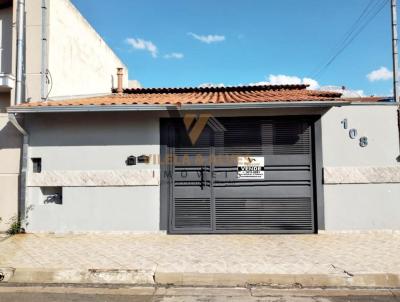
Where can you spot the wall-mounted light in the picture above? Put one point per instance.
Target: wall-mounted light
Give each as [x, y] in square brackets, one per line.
[131, 160]
[143, 159]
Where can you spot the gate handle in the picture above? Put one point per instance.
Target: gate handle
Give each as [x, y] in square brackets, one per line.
[202, 184]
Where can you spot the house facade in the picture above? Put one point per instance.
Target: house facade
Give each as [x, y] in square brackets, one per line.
[64, 58]
[249, 159]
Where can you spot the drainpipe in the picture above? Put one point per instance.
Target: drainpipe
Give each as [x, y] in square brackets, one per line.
[395, 55]
[20, 51]
[24, 163]
[120, 74]
[43, 71]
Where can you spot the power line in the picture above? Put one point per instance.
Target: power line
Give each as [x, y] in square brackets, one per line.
[356, 23]
[367, 15]
[353, 37]
[346, 35]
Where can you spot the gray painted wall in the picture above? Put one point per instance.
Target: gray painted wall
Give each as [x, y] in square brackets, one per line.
[97, 209]
[89, 142]
[361, 206]
[378, 123]
[93, 141]
[102, 141]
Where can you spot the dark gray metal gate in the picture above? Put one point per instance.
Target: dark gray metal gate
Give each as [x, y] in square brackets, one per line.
[205, 194]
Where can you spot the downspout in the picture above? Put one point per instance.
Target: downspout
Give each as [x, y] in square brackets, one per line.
[24, 163]
[20, 51]
[395, 57]
[43, 72]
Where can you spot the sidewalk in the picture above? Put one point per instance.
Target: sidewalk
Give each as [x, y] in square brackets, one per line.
[351, 259]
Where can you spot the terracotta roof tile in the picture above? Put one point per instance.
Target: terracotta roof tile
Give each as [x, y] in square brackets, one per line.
[209, 95]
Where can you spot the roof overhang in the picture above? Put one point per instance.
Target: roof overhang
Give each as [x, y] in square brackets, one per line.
[5, 3]
[186, 107]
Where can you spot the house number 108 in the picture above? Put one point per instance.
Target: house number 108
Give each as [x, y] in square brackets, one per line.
[353, 134]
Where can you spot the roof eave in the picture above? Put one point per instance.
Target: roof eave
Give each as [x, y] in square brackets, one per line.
[157, 107]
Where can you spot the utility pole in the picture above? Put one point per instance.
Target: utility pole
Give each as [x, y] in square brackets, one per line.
[395, 51]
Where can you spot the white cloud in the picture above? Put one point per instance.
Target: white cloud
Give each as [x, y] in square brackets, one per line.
[143, 45]
[359, 92]
[285, 79]
[174, 55]
[313, 83]
[207, 85]
[380, 74]
[346, 93]
[208, 39]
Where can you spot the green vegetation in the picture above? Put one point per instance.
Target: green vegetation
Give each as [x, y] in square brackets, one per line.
[15, 227]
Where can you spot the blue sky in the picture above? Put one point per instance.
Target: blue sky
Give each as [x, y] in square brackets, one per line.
[169, 43]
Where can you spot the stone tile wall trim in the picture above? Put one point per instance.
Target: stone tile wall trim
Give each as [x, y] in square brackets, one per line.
[361, 175]
[101, 178]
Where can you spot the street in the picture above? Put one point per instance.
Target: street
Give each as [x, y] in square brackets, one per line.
[67, 293]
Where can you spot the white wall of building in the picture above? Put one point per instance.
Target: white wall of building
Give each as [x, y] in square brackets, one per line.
[361, 206]
[80, 61]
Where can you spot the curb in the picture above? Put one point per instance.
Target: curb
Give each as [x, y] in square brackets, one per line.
[284, 280]
[150, 277]
[101, 276]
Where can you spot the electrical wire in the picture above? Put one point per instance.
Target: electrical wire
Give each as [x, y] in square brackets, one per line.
[367, 15]
[49, 79]
[349, 33]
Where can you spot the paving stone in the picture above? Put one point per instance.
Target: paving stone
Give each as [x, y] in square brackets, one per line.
[334, 254]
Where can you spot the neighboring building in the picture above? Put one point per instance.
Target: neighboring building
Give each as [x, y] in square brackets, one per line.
[64, 58]
[258, 159]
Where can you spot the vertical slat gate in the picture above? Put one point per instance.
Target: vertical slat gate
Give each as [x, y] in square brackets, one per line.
[210, 198]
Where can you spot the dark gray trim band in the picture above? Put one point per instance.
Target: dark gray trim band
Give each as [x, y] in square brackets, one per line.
[318, 180]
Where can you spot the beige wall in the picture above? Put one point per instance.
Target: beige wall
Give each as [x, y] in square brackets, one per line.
[4, 101]
[33, 49]
[10, 141]
[80, 61]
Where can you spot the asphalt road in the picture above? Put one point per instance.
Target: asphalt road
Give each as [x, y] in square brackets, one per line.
[125, 294]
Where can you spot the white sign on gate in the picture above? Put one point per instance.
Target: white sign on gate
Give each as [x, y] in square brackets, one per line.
[250, 167]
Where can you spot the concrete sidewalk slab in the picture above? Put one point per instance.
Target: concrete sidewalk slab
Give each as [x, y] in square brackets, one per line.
[343, 259]
[102, 276]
